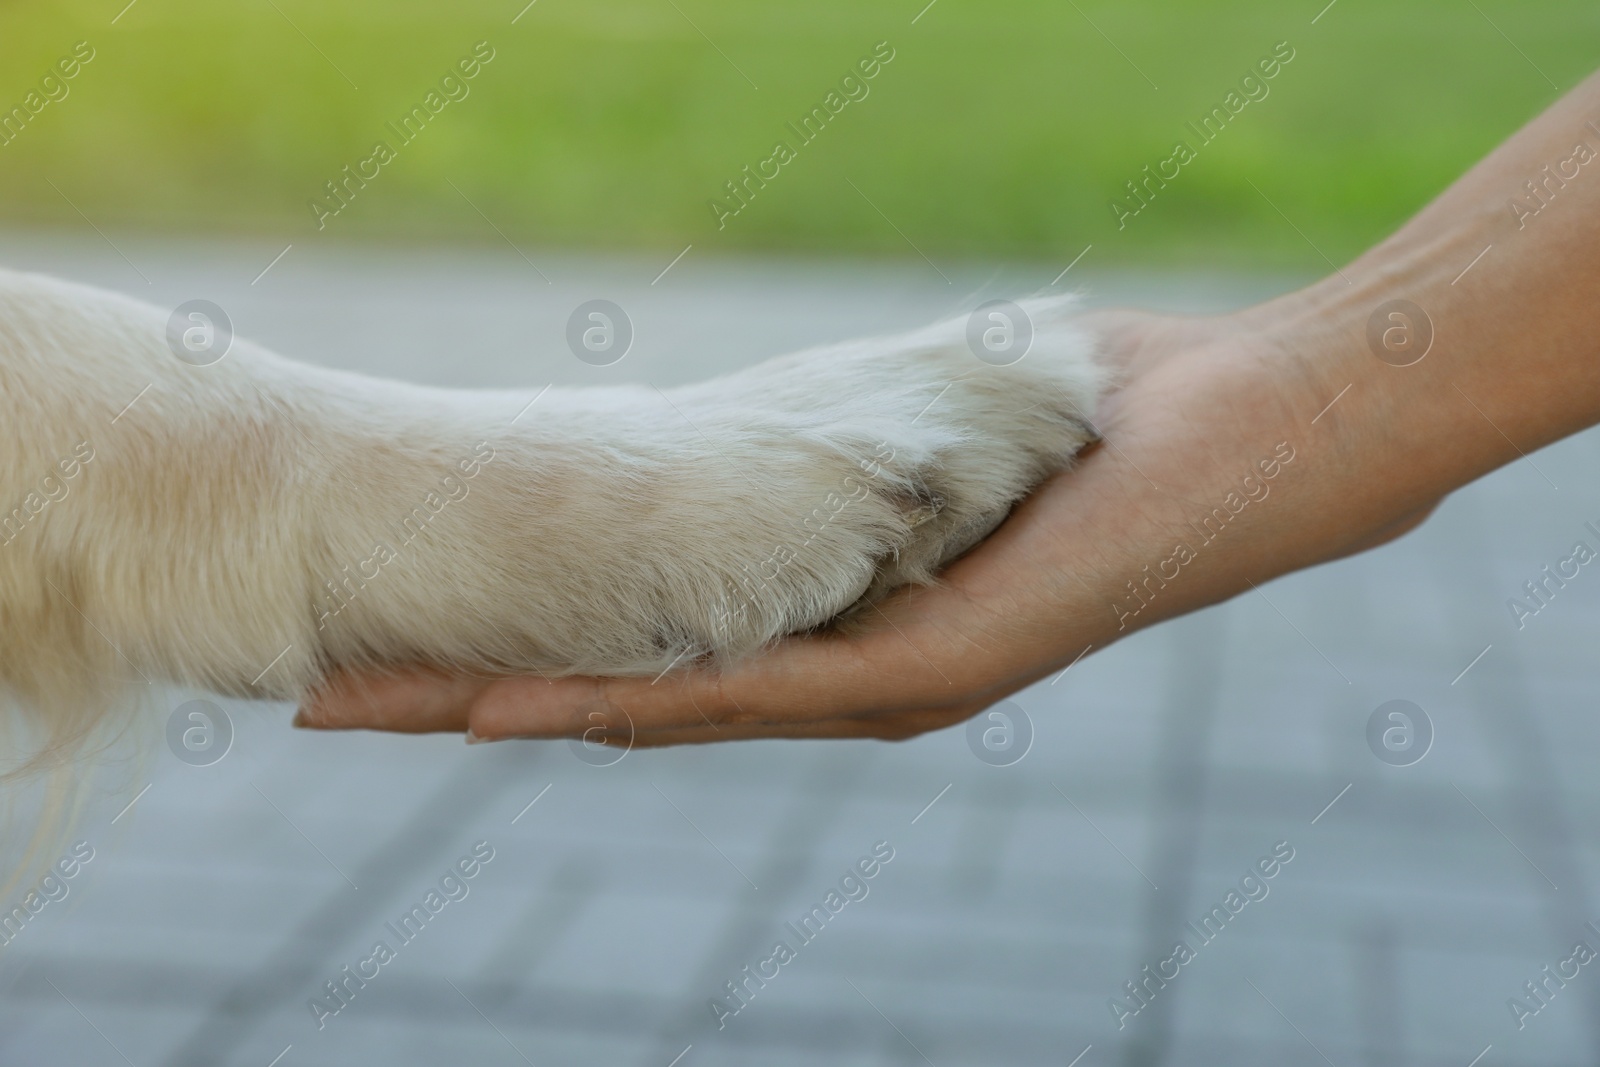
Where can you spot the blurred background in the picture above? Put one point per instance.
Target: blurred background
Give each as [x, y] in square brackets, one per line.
[1433, 876]
[1000, 130]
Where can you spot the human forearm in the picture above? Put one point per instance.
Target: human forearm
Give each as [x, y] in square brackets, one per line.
[1387, 408]
[1504, 264]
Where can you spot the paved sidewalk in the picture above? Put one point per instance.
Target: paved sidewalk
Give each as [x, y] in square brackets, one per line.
[1019, 899]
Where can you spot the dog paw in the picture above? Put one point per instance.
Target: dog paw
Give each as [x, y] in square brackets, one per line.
[621, 531]
[865, 467]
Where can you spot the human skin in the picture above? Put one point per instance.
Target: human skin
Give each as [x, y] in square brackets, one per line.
[1511, 369]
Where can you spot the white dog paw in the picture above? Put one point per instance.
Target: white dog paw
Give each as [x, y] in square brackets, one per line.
[621, 531]
[865, 467]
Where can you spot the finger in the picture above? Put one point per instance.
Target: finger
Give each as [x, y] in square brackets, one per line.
[425, 701]
[813, 679]
[411, 701]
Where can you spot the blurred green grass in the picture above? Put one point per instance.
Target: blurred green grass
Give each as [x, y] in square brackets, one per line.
[999, 130]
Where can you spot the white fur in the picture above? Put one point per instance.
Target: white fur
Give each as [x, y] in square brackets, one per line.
[612, 531]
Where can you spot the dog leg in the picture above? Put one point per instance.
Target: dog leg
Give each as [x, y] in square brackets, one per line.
[249, 525]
